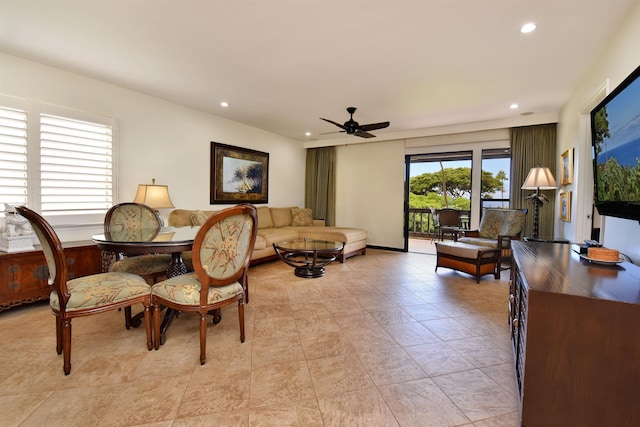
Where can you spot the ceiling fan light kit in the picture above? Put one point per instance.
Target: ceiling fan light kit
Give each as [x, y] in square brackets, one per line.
[351, 127]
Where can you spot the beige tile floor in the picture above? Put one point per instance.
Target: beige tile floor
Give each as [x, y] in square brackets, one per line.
[381, 340]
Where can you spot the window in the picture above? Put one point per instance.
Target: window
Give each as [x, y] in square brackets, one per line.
[75, 166]
[496, 167]
[13, 156]
[61, 164]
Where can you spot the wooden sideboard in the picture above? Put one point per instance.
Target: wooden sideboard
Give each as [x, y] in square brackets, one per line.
[575, 330]
[23, 275]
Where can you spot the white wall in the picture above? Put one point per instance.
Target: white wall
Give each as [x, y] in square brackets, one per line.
[157, 139]
[370, 190]
[617, 61]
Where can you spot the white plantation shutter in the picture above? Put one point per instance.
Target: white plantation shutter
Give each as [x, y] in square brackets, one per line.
[76, 166]
[13, 157]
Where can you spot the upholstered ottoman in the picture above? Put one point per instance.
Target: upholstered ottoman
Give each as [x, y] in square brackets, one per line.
[471, 259]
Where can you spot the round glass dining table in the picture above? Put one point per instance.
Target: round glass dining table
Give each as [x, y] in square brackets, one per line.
[171, 240]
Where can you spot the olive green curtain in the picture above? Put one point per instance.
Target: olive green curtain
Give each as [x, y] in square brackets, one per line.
[533, 146]
[320, 184]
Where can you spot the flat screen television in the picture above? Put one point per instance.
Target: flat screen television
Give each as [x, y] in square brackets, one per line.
[615, 138]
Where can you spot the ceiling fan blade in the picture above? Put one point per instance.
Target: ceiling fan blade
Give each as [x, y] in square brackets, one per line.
[374, 126]
[328, 133]
[363, 134]
[334, 123]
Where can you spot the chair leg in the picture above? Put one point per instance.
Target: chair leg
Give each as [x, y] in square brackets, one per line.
[156, 326]
[147, 325]
[241, 319]
[58, 335]
[127, 317]
[203, 338]
[66, 346]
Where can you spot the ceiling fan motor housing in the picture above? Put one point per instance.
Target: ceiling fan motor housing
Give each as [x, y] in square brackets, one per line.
[351, 126]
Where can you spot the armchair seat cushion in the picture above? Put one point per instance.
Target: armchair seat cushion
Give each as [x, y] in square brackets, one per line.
[114, 287]
[479, 241]
[185, 290]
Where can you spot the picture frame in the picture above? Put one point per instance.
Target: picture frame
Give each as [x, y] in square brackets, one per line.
[567, 167]
[238, 175]
[565, 206]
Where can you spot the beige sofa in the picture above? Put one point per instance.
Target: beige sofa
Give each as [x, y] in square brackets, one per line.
[281, 224]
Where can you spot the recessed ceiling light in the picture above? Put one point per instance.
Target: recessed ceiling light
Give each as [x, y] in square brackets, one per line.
[528, 27]
[514, 106]
[224, 104]
[307, 133]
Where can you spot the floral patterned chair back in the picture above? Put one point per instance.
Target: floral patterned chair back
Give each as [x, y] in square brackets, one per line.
[506, 222]
[132, 222]
[222, 249]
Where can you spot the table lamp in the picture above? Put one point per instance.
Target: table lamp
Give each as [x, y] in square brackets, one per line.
[539, 178]
[154, 196]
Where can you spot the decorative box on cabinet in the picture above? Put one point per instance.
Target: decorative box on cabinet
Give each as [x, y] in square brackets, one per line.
[575, 330]
[23, 275]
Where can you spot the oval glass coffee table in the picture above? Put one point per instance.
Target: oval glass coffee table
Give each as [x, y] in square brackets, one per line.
[308, 256]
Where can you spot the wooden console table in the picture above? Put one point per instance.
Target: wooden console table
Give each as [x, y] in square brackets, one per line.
[575, 330]
[23, 275]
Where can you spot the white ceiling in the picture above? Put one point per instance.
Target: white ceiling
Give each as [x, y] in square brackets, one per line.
[283, 64]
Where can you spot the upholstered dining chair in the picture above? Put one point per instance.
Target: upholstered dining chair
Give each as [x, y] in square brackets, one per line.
[221, 253]
[136, 222]
[83, 296]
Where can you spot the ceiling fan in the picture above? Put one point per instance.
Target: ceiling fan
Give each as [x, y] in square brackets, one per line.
[351, 127]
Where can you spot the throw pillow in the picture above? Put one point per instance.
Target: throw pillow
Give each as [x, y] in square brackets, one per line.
[281, 217]
[301, 217]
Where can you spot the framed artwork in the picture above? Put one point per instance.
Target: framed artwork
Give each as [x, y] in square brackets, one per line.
[238, 175]
[565, 206]
[567, 167]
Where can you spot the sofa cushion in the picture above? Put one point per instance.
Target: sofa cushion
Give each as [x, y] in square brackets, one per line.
[275, 235]
[301, 217]
[199, 217]
[261, 243]
[281, 217]
[337, 234]
[264, 217]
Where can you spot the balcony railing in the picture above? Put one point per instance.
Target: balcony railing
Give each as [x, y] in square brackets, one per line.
[420, 223]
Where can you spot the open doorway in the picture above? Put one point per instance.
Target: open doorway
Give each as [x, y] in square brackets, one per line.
[440, 180]
[436, 181]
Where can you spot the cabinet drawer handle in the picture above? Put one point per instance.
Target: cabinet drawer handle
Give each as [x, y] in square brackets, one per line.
[515, 322]
[511, 297]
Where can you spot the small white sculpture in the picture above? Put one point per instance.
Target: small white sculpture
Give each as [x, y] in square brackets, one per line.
[14, 224]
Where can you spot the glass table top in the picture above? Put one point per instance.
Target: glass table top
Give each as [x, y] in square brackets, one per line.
[144, 235]
[309, 245]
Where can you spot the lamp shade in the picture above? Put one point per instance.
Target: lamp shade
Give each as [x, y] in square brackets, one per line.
[154, 196]
[540, 178]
